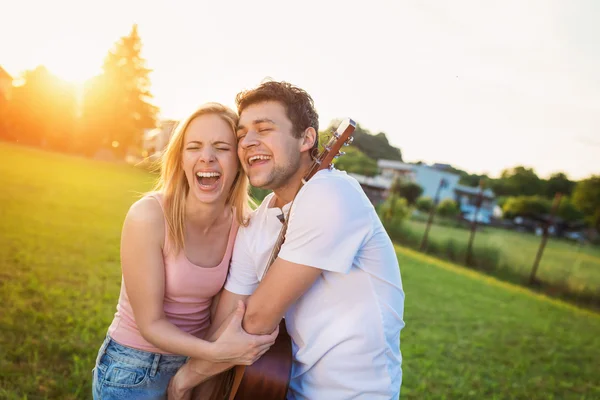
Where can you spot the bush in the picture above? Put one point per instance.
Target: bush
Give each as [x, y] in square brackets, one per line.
[447, 208]
[411, 191]
[424, 204]
[394, 211]
[527, 206]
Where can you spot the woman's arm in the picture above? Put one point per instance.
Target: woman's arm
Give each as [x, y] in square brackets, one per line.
[197, 371]
[143, 273]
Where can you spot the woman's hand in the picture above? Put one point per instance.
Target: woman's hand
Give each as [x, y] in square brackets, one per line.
[176, 392]
[236, 346]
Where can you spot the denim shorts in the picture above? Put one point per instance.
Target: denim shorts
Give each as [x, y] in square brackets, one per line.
[122, 372]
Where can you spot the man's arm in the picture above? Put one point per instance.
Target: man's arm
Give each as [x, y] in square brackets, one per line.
[281, 287]
[322, 238]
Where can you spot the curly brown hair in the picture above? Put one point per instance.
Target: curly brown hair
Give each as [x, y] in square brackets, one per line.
[299, 105]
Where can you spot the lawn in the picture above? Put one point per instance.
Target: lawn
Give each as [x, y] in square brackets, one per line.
[467, 335]
[573, 266]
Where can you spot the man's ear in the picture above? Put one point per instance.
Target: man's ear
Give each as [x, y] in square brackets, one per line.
[308, 139]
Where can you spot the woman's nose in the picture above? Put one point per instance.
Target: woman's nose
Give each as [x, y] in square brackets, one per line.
[207, 155]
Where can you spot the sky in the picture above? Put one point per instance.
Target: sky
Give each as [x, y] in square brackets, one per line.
[481, 85]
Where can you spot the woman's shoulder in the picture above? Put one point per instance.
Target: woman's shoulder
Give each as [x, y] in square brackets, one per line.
[147, 211]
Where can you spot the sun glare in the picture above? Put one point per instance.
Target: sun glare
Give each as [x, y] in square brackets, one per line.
[72, 61]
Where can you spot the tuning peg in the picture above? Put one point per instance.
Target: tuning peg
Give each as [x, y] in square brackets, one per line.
[349, 141]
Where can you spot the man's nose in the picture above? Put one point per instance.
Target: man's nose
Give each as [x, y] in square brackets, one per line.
[250, 139]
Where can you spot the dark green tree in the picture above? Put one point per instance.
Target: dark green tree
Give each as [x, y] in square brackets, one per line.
[586, 197]
[411, 191]
[375, 147]
[559, 183]
[530, 206]
[518, 181]
[355, 161]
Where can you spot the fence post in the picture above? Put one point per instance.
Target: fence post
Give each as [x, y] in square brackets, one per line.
[442, 185]
[474, 223]
[538, 256]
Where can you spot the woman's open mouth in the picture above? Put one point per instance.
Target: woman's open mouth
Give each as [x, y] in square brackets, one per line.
[208, 180]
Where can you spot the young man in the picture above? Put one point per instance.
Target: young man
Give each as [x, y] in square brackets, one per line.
[336, 280]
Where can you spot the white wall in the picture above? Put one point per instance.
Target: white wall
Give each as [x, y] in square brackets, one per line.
[429, 179]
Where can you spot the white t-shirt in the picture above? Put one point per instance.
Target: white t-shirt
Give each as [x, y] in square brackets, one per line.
[345, 329]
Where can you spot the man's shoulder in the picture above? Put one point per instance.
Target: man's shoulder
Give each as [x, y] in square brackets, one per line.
[335, 184]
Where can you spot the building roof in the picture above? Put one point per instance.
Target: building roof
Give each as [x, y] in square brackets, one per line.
[374, 181]
[474, 190]
[397, 165]
[4, 74]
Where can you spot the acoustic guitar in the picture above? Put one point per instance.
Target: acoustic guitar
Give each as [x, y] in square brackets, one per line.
[269, 377]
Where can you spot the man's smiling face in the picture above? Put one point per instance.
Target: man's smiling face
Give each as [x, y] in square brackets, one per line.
[269, 152]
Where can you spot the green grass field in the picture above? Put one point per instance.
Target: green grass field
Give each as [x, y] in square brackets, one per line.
[571, 265]
[468, 336]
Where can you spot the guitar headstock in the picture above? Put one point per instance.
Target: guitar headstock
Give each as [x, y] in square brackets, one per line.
[342, 136]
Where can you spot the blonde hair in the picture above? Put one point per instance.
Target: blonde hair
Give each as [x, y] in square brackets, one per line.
[173, 185]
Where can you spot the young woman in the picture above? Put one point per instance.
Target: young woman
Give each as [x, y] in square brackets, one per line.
[175, 249]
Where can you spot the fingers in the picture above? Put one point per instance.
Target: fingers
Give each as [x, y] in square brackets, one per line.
[262, 349]
[241, 307]
[238, 315]
[258, 355]
[267, 339]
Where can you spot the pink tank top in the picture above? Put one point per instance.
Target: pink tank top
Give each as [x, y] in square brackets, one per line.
[189, 290]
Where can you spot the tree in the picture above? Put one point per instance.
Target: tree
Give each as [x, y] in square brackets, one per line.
[529, 206]
[42, 111]
[472, 180]
[411, 191]
[568, 211]
[586, 197]
[355, 161]
[117, 107]
[559, 183]
[394, 211]
[518, 181]
[373, 146]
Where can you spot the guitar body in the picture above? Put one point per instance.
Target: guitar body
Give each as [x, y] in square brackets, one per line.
[269, 377]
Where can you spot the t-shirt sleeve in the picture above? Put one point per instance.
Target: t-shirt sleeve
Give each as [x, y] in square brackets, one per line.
[329, 223]
[241, 278]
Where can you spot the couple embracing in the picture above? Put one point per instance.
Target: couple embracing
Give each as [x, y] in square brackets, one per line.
[194, 298]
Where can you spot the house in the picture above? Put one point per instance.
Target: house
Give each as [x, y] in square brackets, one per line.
[156, 140]
[436, 181]
[427, 177]
[376, 188]
[467, 197]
